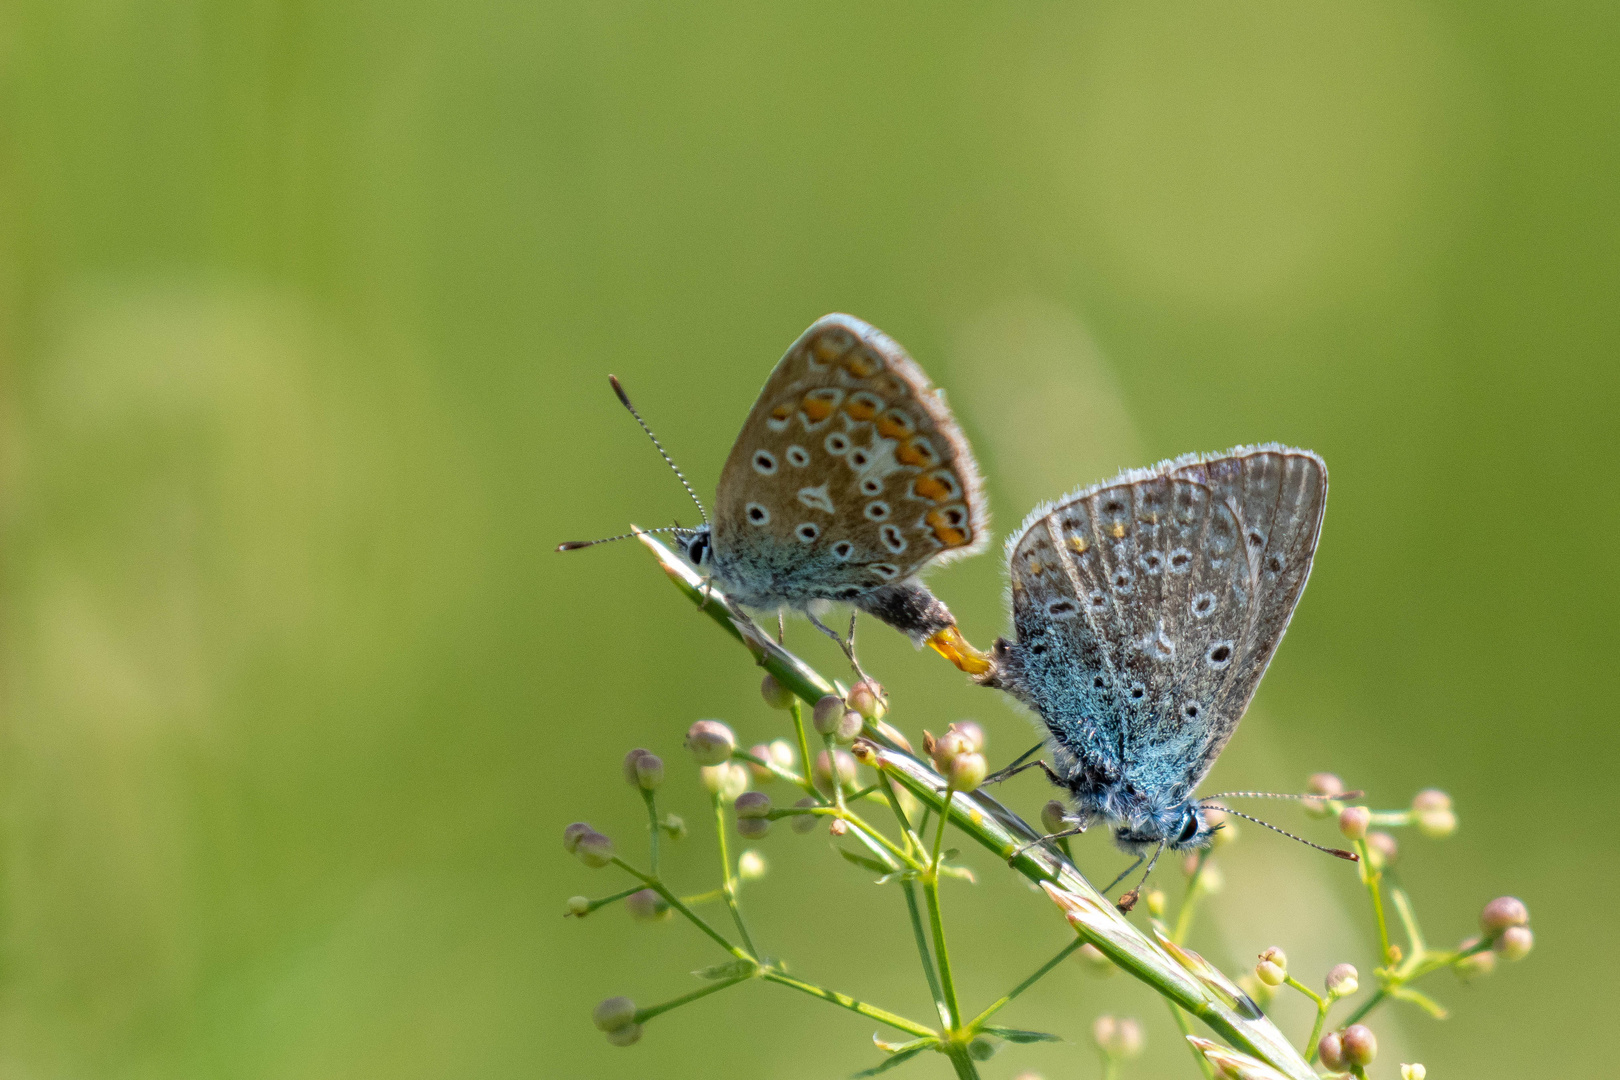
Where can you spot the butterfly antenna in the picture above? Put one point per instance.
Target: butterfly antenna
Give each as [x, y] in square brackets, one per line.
[1340, 852]
[1343, 796]
[575, 545]
[624, 399]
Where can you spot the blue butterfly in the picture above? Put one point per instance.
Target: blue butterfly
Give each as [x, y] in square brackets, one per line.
[1146, 610]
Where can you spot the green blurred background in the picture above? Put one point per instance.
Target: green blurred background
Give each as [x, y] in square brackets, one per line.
[307, 310]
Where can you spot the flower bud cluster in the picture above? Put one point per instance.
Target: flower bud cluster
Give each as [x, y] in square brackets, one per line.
[1506, 925]
[1327, 785]
[726, 780]
[1272, 968]
[775, 694]
[779, 753]
[643, 769]
[710, 742]
[647, 906]
[867, 700]
[959, 755]
[821, 774]
[753, 808]
[591, 847]
[1431, 809]
[833, 719]
[1342, 981]
[1353, 822]
[617, 1018]
[1354, 1047]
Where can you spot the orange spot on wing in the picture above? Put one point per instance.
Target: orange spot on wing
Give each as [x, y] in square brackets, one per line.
[817, 409]
[862, 364]
[895, 424]
[1079, 545]
[859, 409]
[928, 487]
[1118, 530]
[782, 412]
[946, 533]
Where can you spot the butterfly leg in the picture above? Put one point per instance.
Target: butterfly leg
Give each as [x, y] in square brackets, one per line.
[847, 647]
[1018, 765]
[1075, 831]
[1128, 901]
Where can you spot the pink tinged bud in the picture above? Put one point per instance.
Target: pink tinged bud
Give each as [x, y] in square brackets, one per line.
[573, 834]
[1501, 913]
[868, 700]
[649, 771]
[803, 823]
[1476, 965]
[971, 733]
[946, 748]
[647, 906]
[579, 906]
[1324, 783]
[822, 773]
[838, 827]
[828, 714]
[752, 828]
[752, 804]
[710, 742]
[967, 772]
[1341, 981]
[1331, 1050]
[760, 773]
[1381, 849]
[1431, 799]
[849, 726]
[613, 1014]
[751, 865]
[630, 760]
[1436, 824]
[1353, 821]
[775, 694]
[1052, 817]
[1515, 943]
[1360, 1045]
[625, 1036]
[594, 850]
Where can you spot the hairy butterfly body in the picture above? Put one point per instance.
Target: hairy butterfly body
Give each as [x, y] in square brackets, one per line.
[1146, 610]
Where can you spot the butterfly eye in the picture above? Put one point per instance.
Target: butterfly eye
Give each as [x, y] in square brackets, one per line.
[1188, 830]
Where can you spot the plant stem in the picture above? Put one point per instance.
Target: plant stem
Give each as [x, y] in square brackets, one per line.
[728, 883]
[1184, 1022]
[937, 923]
[804, 742]
[1372, 879]
[978, 1021]
[643, 1015]
[966, 1068]
[1322, 1007]
[675, 902]
[606, 900]
[652, 830]
[927, 958]
[1189, 904]
[883, 1016]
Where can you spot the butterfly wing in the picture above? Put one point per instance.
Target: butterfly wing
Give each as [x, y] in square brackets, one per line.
[1146, 616]
[849, 474]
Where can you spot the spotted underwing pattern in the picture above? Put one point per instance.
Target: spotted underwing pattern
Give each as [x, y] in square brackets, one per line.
[1146, 609]
[849, 477]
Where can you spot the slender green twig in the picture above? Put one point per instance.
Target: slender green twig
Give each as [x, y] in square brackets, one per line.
[804, 743]
[652, 830]
[675, 902]
[606, 900]
[728, 882]
[937, 923]
[882, 1016]
[995, 1006]
[921, 938]
[643, 1015]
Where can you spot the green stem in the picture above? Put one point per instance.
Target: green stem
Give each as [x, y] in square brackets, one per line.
[1110, 1066]
[606, 900]
[728, 884]
[927, 958]
[675, 902]
[643, 1015]
[776, 770]
[652, 830]
[1403, 908]
[966, 1068]
[978, 1021]
[1184, 1022]
[937, 923]
[1367, 1006]
[882, 1016]
[804, 742]
[1372, 879]
[1307, 991]
[854, 820]
[1322, 1007]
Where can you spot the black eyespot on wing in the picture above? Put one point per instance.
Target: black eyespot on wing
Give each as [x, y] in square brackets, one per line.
[1190, 710]
[871, 486]
[1180, 559]
[758, 514]
[1257, 539]
[1219, 655]
[843, 549]
[798, 456]
[1275, 565]
[1138, 691]
[807, 532]
[1099, 682]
